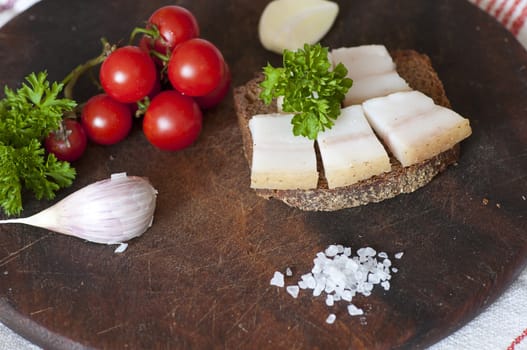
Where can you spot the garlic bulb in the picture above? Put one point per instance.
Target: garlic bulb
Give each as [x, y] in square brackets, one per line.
[110, 211]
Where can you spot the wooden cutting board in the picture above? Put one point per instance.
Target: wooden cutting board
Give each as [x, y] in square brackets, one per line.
[199, 278]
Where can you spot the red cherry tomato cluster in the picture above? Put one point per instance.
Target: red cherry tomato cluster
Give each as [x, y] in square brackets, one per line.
[172, 74]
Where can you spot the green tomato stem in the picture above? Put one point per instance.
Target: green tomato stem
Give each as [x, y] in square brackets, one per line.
[142, 106]
[152, 32]
[71, 79]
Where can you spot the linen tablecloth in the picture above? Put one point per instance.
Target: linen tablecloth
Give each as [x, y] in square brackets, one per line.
[503, 325]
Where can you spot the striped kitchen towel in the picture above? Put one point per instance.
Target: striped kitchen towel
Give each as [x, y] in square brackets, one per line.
[512, 14]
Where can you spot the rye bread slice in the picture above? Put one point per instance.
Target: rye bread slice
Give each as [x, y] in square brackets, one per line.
[417, 70]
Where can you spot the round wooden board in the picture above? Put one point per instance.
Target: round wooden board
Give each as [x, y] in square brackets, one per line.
[199, 278]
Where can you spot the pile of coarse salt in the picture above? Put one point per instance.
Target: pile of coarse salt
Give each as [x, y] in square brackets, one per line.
[342, 276]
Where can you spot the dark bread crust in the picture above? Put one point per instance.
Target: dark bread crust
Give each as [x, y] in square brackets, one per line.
[417, 70]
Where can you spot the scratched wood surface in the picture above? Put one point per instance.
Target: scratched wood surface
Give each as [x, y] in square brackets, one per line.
[200, 277]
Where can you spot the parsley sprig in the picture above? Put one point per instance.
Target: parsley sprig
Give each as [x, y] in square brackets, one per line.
[27, 116]
[311, 89]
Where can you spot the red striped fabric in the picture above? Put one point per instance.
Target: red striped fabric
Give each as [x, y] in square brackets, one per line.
[512, 14]
[518, 340]
[519, 22]
[500, 9]
[509, 13]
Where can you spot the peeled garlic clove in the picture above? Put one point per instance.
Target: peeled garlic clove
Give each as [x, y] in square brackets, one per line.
[289, 24]
[110, 211]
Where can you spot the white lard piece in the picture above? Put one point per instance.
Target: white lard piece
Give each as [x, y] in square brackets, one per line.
[373, 72]
[350, 150]
[280, 159]
[413, 127]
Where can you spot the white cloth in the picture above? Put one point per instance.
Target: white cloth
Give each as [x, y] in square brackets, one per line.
[498, 327]
[10, 8]
[504, 324]
[11, 341]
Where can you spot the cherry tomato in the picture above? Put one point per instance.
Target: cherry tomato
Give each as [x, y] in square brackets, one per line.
[105, 120]
[68, 143]
[175, 24]
[196, 67]
[172, 121]
[217, 95]
[146, 43]
[128, 74]
[134, 107]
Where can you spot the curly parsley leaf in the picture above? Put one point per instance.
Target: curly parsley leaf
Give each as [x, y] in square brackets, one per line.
[27, 116]
[311, 89]
[42, 174]
[10, 185]
[32, 111]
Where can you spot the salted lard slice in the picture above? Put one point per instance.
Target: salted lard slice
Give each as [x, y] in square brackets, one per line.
[373, 72]
[281, 160]
[350, 150]
[413, 127]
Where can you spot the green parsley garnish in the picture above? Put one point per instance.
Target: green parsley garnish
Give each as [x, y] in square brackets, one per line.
[27, 116]
[310, 88]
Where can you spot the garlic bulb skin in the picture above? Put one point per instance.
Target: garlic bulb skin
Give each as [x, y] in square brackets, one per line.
[110, 211]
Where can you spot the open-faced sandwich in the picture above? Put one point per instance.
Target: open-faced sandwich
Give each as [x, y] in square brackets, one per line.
[394, 131]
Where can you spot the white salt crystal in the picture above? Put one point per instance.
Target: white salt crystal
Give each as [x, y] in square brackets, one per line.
[302, 285]
[339, 290]
[341, 276]
[347, 295]
[351, 265]
[306, 276]
[311, 283]
[368, 286]
[288, 272]
[395, 269]
[122, 247]
[354, 311]
[336, 275]
[330, 287]
[331, 318]
[361, 252]
[384, 275]
[278, 279]
[374, 278]
[347, 251]
[319, 288]
[385, 285]
[317, 268]
[331, 251]
[293, 291]
[368, 251]
[359, 275]
[320, 278]
[321, 255]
